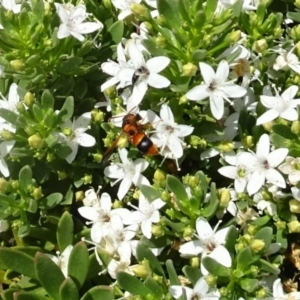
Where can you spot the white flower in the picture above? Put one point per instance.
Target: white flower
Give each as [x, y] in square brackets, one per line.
[121, 72]
[5, 148]
[102, 217]
[247, 4]
[167, 132]
[91, 198]
[209, 243]
[124, 5]
[239, 172]
[4, 225]
[146, 214]
[74, 135]
[116, 266]
[262, 165]
[11, 5]
[291, 167]
[127, 172]
[279, 294]
[201, 291]
[216, 88]
[72, 22]
[284, 106]
[62, 260]
[147, 73]
[287, 60]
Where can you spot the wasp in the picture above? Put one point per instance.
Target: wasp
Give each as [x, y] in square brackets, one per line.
[135, 131]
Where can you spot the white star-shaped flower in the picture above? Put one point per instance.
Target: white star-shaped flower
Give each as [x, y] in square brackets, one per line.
[146, 214]
[210, 243]
[291, 167]
[146, 73]
[11, 5]
[287, 60]
[124, 6]
[127, 172]
[201, 290]
[216, 88]
[74, 135]
[284, 106]
[262, 165]
[72, 22]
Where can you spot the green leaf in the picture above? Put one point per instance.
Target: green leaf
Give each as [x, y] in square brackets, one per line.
[265, 234]
[8, 294]
[149, 192]
[215, 268]
[170, 10]
[210, 7]
[62, 150]
[68, 290]
[199, 55]
[282, 238]
[78, 266]
[174, 185]
[9, 116]
[66, 111]
[38, 113]
[115, 32]
[132, 285]
[249, 284]
[261, 221]
[143, 252]
[99, 293]
[50, 201]
[69, 65]
[65, 229]
[28, 296]
[38, 8]
[268, 267]
[172, 273]
[295, 16]
[193, 274]
[156, 290]
[245, 258]
[231, 238]
[210, 209]
[25, 178]
[47, 100]
[49, 274]
[17, 261]
[284, 131]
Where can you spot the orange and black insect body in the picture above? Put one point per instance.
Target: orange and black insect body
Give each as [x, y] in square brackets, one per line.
[135, 132]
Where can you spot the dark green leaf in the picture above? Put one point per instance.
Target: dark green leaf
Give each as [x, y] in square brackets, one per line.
[99, 293]
[50, 201]
[214, 267]
[49, 274]
[64, 231]
[199, 55]
[17, 261]
[281, 238]
[78, 266]
[47, 100]
[68, 290]
[132, 285]
[38, 8]
[213, 203]
[265, 234]
[115, 32]
[38, 113]
[9, 116]
[28, 296]
[69, 65]
[193, 274]
[149, 192]
[66, 111]
[25, 178]
[170, 10]
[143, 252]
[268, 267]
[156, 290]
[172, 273]
[249, 284]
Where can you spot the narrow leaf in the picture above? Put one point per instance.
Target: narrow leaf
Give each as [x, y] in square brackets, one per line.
[25, 178]
[64, 231]
[99, 293]
[68, 290]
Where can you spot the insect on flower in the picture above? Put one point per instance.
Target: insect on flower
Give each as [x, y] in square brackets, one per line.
[135, 131]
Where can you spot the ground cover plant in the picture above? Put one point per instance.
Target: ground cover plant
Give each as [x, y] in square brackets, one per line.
[149, 149]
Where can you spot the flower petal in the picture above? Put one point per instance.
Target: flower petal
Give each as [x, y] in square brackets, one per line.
[158, 81]
[222, 72]
[263, 146]
[157, 64]
[274, 177]
[124, 187]
[255, 182]
[268, 116]
[198, 93]
[191, 248]
[207, 73]
[277, 156]
[63, 31]
[62, 13]
[204, 229]
[217, 106]
[85, 140]
[88, 27]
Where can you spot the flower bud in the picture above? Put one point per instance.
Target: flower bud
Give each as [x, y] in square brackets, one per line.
[111, 92]
[247, 141]
[37, 193]
[20, 107]
[280, 225]
[225, 146]
[268, 126]
[257, 245]
[189, 69]
[278, 32]
[160, 42]
[239, 247]
[15, 184]
[294, 206]
[123, 141]
[142, 270]
[67, 131]
[195, 262]
[183, 99]
[29, 99]
[252, 229]
[79, 195]
[97, 115]
[191, 181]
[62, 175]
[223, 291]
[262, 293]
[224, 197]
[297, 3]
[295, 128]
[254, 270]
[294, 226]
[97, 157]
[140, 11]
[188, 231]
[211, 280]
[3, 184]
[260, 46]
[17, 65]
[7, 135]
[160, 20]
[35, 141]
[117, 204]
[157, 230]
[165, 196]
[159, 177]
[234, 36]
[87, 179]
